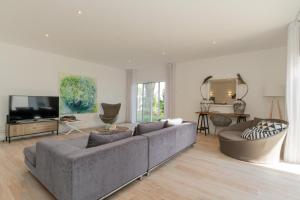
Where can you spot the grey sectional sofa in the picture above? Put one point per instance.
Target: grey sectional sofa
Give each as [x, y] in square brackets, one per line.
[72, 172]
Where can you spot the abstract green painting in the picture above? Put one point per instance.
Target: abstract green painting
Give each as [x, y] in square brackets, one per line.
[78, 94]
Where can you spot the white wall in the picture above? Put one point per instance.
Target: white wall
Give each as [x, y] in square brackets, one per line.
[154, 74]
[32, 72]
[257, 68]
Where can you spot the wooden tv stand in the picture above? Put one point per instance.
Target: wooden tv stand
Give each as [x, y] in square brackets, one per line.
[24, 128]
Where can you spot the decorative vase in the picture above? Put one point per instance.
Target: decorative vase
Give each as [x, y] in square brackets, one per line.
[205, 105]
[239, 106]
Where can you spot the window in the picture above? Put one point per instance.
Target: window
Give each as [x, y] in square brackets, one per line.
[150, 101]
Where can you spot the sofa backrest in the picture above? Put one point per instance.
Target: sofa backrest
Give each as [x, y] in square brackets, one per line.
[112, 164]
[257, 120]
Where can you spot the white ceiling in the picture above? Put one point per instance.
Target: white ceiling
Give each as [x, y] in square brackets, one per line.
[135, 33]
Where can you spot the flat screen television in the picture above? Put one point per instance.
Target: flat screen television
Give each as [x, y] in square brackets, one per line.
[32, 107]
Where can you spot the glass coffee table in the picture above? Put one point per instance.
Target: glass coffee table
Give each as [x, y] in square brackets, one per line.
[118, 129]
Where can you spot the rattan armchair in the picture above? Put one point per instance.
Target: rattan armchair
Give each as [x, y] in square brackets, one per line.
[267, 150]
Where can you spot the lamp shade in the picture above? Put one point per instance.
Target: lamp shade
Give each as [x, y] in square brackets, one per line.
[274, 90]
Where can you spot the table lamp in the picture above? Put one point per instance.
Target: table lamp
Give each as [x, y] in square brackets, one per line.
[275, 92]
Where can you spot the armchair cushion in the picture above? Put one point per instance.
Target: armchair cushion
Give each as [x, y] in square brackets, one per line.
[271, 126]
[263, 129]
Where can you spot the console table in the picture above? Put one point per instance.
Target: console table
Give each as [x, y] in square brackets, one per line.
[203, 119]
[24, 128]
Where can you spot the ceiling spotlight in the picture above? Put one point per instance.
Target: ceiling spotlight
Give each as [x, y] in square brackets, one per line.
[213, 42]
[46, 35]
[79, 12]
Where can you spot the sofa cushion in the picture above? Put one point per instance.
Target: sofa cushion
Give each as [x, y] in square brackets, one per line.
[172, 122]
[175, 121]
[30, 154]
[100, 139]
[271, 126]
[263, 129]
[148, 127]
[256, 121]
[255, 133]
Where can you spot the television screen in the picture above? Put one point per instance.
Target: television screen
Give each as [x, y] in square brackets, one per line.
[33, 107]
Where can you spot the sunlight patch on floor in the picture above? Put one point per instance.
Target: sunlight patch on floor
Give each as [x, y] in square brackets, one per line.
[283, 166]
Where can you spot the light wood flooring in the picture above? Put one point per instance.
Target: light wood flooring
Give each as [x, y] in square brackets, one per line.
[201, 172]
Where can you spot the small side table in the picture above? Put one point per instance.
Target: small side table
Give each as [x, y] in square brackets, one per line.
[203, 124]
[72, 125]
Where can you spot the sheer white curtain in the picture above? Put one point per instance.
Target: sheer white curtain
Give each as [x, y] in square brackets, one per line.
[170, 91]
[131, 97]
[292, 145]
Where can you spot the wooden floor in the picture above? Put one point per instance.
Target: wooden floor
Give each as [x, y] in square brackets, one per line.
[201, 172]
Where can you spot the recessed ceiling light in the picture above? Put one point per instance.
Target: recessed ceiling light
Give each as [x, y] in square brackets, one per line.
[163, 53]
[79, 12]
[213, 42]
[46, 35]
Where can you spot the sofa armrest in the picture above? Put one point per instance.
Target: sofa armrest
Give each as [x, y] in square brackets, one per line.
[100, 170]
[186, 135]
[54, 168]
[162, 145]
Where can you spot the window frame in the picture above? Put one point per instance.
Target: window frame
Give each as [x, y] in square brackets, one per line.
[143, 91]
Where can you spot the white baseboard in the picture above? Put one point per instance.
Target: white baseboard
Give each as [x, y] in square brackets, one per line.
[2, 133]
[2, 137]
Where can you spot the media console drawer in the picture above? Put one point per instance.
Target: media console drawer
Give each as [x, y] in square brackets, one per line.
[39, 127]
[16, 130]
[28, 128]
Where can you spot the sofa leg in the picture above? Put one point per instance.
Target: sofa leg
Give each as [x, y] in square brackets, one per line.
[141, 178]
[148, 173]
